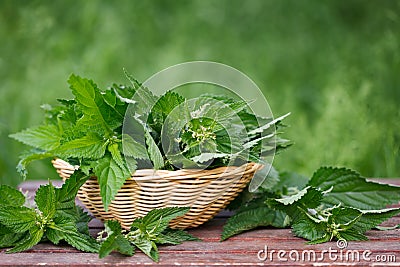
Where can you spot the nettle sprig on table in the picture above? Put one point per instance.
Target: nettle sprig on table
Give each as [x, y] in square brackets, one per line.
[55, 217]
[335, 203]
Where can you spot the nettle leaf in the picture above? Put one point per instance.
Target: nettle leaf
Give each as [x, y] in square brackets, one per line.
[290, 199]
[157, 220]
[257, 141]
[115, 241]
[132, 148]
[82, 219]
[11, 196]
[46, 137]
[268, 125]
[372, 218]
[110, 177]
[293, 205]
[251, 121]
[110, 98]
[9, 238]
[252, 218]
[163, 107]
[153, 151]
[34, 237]
[18, 219]
[27, 158]
[289, 181]
[65, 196]
[174, 237]
[339, 222]
[45, 200]
[91, 146]
[62, 226]
[148, 247]
[116, 155]
[96, 112]
[82, 242]
[143, 98]
[204, 157]
[218, 109]
[349, 188]
[311, 230]
[124, 94]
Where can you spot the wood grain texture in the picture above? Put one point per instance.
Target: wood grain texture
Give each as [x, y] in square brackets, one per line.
[383, 249]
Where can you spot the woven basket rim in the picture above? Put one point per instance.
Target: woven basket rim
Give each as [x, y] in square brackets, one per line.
[168, 173]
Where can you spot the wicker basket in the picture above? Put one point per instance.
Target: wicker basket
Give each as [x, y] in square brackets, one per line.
[206, 192]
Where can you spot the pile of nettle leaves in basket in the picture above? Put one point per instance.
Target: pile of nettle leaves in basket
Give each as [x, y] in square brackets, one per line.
[334, 203]
[89, 131]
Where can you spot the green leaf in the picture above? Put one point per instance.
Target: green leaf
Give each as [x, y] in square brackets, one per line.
[82, 242]
[372, 218]
[65, 196]
[153, 151]
[257, 141]
[82, 220]
[115, 241]
[174, 237]
[293, 205]
[91, 146]
[349, 188]
[252, 218]
[157, 220]
[268, 125]
[34, 237]
[143, 97]
[110, 177]
[220, 110]
[110, 98]
[271, 178]
[62, 226]
[8, 238]
[116, 155]
[311, 230]
[97, 114]
[290, 181]
[46, 137]
[148, 247]
[163, 107]
[27, 158]
[18, 219]
[339, 222]
[204, 157]
[11, 196]
[45, 200]
[65, 228]
[132, 148]
[124, 94]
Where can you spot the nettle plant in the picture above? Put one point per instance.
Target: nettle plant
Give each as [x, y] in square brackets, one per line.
[111, 133]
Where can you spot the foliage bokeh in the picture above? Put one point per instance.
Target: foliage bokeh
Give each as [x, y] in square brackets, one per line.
[334, 64]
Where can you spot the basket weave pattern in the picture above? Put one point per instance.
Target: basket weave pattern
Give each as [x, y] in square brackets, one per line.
[206, 192]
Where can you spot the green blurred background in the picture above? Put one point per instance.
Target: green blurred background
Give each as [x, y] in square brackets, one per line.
[334, 64]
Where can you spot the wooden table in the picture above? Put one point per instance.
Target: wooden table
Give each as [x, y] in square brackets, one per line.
[383, 249]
